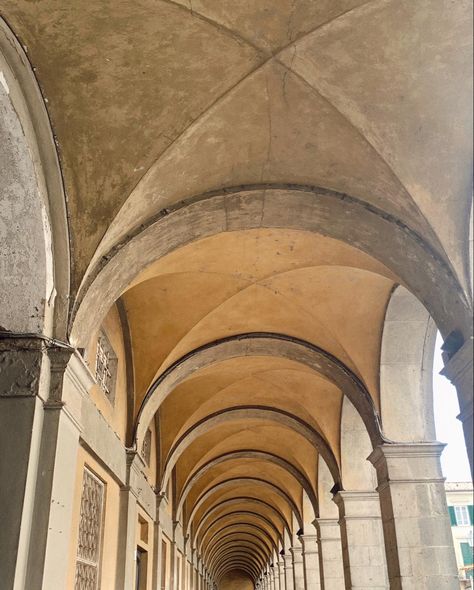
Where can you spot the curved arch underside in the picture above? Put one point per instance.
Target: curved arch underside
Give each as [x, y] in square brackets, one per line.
[265, 186]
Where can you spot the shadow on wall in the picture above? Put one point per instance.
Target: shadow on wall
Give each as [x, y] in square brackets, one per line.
[236, 580]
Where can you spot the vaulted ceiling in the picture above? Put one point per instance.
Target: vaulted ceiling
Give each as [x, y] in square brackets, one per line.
[267, 169]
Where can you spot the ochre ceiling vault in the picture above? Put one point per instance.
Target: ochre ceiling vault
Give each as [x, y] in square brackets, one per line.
[247, 184]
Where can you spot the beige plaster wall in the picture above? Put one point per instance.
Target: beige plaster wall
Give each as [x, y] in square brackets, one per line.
[116, 414]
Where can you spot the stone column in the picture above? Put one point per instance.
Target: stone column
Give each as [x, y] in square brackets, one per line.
[298, 569]
[418, 542]
[266, 581]
[126, 562]
[281, 573]
[330, 548]
[39, 440]
[458, 368]
[275, 579]
[312, 575]
[362, 540]
[289, 580]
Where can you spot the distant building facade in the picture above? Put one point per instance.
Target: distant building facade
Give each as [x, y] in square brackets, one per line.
[460, 506]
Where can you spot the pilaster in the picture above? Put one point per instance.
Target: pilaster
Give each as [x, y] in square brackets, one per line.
[298, 569]
[416, 526]
[39, 441]
[127, 527]
[312, 574]
[289, 579]
[331, 564]
[362, 540]
[280, 565]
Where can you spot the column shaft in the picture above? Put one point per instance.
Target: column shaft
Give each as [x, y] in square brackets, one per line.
[289, 580]
[312, 575]
[298, 569]
[127, 543]
[416, 527]
[332, 571]
[362, 540]
[281, 573]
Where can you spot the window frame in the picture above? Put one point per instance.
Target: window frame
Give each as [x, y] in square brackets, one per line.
[461, 514]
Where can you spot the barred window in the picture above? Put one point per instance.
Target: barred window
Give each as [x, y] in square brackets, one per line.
[106, 366]
[90, 532]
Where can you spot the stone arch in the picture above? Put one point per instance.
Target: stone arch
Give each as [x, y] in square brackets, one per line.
[266, 344]
[33, 223]
[253, 537]
[240, 500]
[425, 270]
[229, 483]
[247, 543]
[211, 550]
[250, 551]
[236, 578]
[284, 418]
[406, 369]
[242, 513]
[300, 477]
[232, 562]
[240, 560]
[230, 565]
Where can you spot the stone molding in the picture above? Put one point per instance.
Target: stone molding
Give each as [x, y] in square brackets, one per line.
[297, 553]
[310, 544]
[326, 526]
[395, 463]
[358, 505]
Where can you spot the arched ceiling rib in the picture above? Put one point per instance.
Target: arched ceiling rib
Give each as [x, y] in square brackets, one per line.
[248, 414]
[245, 454]
[313, 210]
[245, 502]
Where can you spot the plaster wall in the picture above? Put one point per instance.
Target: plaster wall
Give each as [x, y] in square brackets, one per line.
[26, 275]
[116, 413]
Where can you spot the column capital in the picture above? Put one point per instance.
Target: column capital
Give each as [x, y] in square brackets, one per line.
[310, 544]
[358, 504]
[328, 528]
[21, 359]
[288, 560]
[407, 462]
[297, 553]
